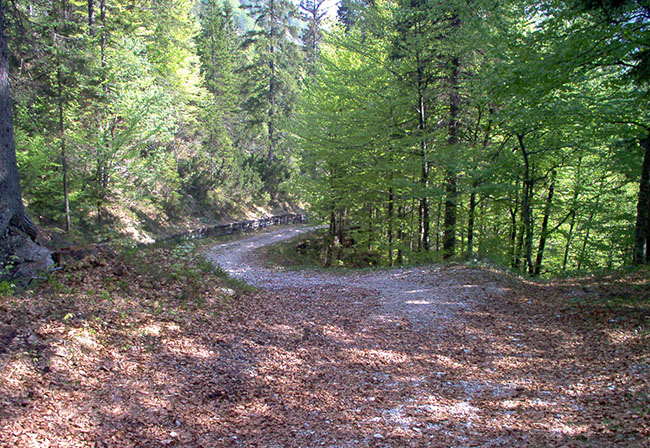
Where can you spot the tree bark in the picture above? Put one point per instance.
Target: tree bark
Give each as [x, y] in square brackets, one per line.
[391, 206]
[271, 123]
[572, 222]
[526, 212]
[64, 159]
[424, 242]
[470, 224]
[19, 254]
[451, 189]
[91, 17]
[544, 231]
[642, 208]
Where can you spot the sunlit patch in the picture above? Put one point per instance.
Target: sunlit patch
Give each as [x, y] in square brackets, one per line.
[151, 330]
[13, 373]
[458, 409]
[621, 336]
[282, 329]
[171, 326]
[338, 334]
[84, 339]
[189, 347]
[573, 430]
[449, 362]
[387, 356]
[416, 291]
[418, 302]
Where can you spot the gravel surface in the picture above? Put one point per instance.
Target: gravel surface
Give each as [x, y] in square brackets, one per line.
[426, 296]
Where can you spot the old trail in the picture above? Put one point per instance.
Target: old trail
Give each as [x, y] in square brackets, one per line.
[426, 356]
[425, 297]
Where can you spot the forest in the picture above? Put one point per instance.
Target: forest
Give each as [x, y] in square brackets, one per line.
[503, 131]
[320, 223]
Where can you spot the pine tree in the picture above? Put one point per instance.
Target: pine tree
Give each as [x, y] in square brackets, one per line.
[273, 71]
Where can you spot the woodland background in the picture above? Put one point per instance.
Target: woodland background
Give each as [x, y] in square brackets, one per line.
[508, 131]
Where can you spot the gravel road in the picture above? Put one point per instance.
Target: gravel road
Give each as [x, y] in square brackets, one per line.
[426, 296]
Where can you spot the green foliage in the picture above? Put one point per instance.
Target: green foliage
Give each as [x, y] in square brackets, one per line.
[536, 153]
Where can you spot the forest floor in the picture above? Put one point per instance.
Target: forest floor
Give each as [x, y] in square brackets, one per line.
[153, 348]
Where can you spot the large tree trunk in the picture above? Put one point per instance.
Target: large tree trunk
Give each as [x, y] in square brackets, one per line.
[19, 254]
[642, 208]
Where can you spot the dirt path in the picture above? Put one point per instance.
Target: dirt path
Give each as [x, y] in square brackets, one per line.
[147, 350]
[445, 356]
[427, 298]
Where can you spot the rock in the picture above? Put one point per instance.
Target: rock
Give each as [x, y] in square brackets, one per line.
[24, 258]
[228, 292]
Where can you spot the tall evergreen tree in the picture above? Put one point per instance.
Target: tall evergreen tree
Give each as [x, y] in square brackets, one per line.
[273, 70]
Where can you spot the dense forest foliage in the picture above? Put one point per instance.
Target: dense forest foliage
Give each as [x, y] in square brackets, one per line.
[154, 108]
[509, 131]
[514, 131]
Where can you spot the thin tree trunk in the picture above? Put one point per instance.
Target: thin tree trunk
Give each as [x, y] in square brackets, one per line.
[583, 251]
[470, 224]
[438, 225]
[332, 235]
[642, 209]
[424, 177]
[513, 231]
[271, 123]
[647, 238]
[102, 18]
[370, 227]
[526, 211]
[400, 234]
[451, 189]
[567, 247]
[543, 233]
[91, 17]
[574, 206]
[64, 159]
[391, 205]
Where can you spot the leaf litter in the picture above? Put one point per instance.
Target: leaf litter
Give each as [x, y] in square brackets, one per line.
[163, 353]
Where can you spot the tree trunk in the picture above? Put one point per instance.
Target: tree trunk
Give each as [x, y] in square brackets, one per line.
[401, 214]
[581, 258]
[642, 208]
[391, 200]
[102, 18]
[271, 123]
[572, 222]
[470, 224]
[20, 256]
[543, 233]
[526, 212]
[331, 231]
[569, 237]
[91, 17]
[422, 126]
[513, 230]
[64, 159]
[451, 189]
